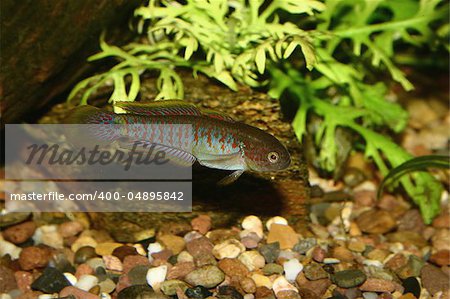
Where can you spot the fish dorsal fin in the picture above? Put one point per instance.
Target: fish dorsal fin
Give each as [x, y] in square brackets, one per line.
[218, 115]
[166, 107]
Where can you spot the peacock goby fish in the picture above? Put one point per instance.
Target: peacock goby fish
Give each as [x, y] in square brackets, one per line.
[218, 141]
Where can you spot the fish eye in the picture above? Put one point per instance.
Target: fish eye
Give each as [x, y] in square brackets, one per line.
[273, 157]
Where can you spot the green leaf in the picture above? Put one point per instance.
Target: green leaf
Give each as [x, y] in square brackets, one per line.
[260, 59]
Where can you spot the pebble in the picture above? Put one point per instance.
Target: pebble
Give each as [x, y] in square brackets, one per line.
[9, 248]
[155, 276]
[19, 233]
[370, 295]
[282, 234]
[71, 278]
[270, 252]
[378, 254]
[250, 241]
[442, 221]
[50, 281]
[291, 269]
[8, 281]
[180, 270]
[406, 237]
[70, 229]
[315, 271]
[264, 293]
[252, 260]
[174, 243]
[170, 287]
[411, 221]
[330, 261]
[83, 241]
[107, 286]
[304, 245]
[319, 254]
[199, 246]
[86, 282]
[272, 268]
[82, 270]
[248, 285]
[253, 224]
[441, 258]
[277, 220]
[261, 281]
[113, 263]
[206, 276]
[106, 248]
[184, 256]
[123, 251]
[319, 287]
[375, 222]
[198, 292]
[441, 240]
[132, 261]
[23, 279]
[412, 286]
[288, 294]
[412, 268]
[34, 257]
[73, 292]
[343, 254]
[96, 262]
[138, 274]
[434, 280]
[356, 246]
[349, 278]
[281, 284]
[83, 254]
[201, 223]
[233, 267]
[229, 292]
[377, 285]
[231, 248]
[139, 292]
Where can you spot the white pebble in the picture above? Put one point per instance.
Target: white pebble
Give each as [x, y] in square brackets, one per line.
[373, 263]
[153, 248]
[140, 249]
[396, 247]
[370, 295]
[47, 296]
[366, 186]
[253, 224]
[330, 261]
[277, 220]
[71, 278]
[86, 282]
[9, 248]
[105, 296]
[287, 254]
[249, 296]
[252, 260]
[291, 269]
[192, 236]
[155, 276]
[281, 284]
[5, 296]
[184, 256]
[228, 249]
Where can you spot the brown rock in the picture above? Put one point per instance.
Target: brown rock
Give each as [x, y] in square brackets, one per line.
[442, 221]
[77, 293]
[163, 255]
[83, 269]
[375, 222]
[378, 254]
[19, 233]
[248, 285]
[123, 251]
[434, 280]
[34, 257]
[24, 280]
[199, 246]
[175, 243]
[407, 237]
[307, 293]
[319, 254]
[365, 198]
[233, 267]
[396, 262]
[131, 261]
[288, 294]
[284, 234]
[407, 296]
[411, 221]
[124, 282]
[377, 285]
[202, 224]
[395, 206]
[70, 229]
[342, 254]
[441, 258]
[29, 295]
[180, 270]
[319, 287]
[441, 239]
[220, 235]
[263, 292]
[7, 281]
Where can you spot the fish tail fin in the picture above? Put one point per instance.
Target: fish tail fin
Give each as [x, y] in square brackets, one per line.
[89, 115]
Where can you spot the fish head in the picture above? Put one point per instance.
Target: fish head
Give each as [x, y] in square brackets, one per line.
[266, 153]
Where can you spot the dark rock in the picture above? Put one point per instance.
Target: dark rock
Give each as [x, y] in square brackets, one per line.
[270, 252]
[304, 245]
[349, 278]
[137, 275]
[272, 268]
[19, 233]
[83, 254]
[139, 292]
[61, 263]
[199, 292]
[123, 251]
[411, 285]
[315, 271]
[307, 293]
[229, 292]
[51, 281]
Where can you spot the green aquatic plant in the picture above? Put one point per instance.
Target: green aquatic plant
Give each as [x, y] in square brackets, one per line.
[323, 54]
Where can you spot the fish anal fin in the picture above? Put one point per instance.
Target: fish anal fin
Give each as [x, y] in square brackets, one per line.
[230, 178]
[164, 107]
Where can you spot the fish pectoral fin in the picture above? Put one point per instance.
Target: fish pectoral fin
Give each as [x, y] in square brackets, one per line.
[230, 178]
[226, 162]
[165, 107]
[174, 155]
